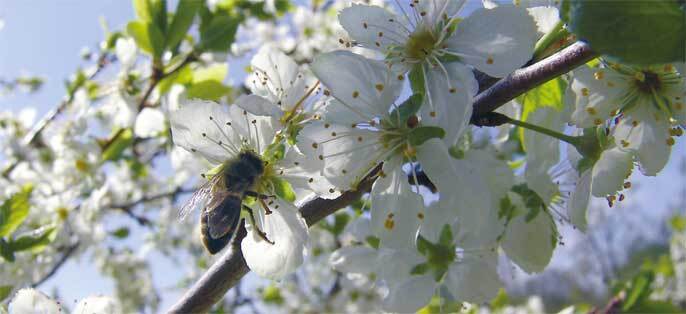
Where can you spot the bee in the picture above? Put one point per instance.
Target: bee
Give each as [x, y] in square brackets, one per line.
[222, 196]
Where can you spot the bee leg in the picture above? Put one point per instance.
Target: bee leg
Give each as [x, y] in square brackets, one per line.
[259, 232]
[258, 195]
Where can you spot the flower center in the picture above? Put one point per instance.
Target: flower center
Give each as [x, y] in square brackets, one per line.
[647, 81]
[420, 44]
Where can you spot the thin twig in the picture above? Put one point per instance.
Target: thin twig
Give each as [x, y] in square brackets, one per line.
[127, 208]
[70, 250]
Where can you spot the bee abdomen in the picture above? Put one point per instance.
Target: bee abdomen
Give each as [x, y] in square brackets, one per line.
[217, 225]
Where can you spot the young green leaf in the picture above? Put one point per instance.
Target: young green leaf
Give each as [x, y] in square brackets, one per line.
[219, 33]
[283, 189]
[182, 21]
[121, 140]
[14, 210]
[35, 241]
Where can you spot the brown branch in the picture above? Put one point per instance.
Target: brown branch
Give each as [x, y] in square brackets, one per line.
[231, 267]
[525, 79]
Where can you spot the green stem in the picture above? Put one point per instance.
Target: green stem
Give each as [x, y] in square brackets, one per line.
[573, 140]
[554, 35]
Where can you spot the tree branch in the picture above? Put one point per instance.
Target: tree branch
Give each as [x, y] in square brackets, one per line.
[69, 251]
[525, 79]
[231, 267]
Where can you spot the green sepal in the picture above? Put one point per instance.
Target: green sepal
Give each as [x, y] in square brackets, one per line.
[416, 77]
[373, 242]
[420, 269]
[422, 134]
[409, 107]
[283, 189]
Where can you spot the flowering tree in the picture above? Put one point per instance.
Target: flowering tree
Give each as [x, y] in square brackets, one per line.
[375, 156]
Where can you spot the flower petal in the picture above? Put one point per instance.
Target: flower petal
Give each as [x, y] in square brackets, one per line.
[411, 295]
[364, 86]
[448, 101]
[373, 27]
[149, 123]
[276, 78]
[579, 200]
[495, 41]
[354, 259]
[258, 105]
[33, 301]
[98, 305]
[645, 132]
[610, 171]
[530, 244]
[348, 154]
[288, 230]
[598, 93]
[395, 208]
[474, 278]
[460, 184]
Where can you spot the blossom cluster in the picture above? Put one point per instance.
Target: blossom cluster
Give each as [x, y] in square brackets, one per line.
[343, 94]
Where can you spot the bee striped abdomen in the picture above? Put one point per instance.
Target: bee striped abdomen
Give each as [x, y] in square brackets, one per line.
[217, 225]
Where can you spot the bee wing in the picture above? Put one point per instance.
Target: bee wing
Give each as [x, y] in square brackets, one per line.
[222, 219]
[199, 197]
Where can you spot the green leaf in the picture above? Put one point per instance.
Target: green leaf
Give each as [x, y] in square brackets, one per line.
[210, 90]
[651, 306]
[283, 189]
[5, 292]
[182, 76]
[634, 32]
[123, 138]
[420, 269]
[35, 241]
[182, 21]
[417, 80]
[14, 210]
[143, 9]
[339, 223]
[678, 223]
[216, 72]
[6, 251]
[121, 233]
[422, 134]
[148, 37]
[640, 289]
[139, 31]
[219, 33]
[423, 245]
[408, 108]
[272, 294]
[550, 94]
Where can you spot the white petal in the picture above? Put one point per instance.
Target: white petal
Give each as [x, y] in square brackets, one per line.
[98, 305]
[495, 41]
[435, 11]
[543, 152]
[348, 153]
[364, 24]
[305, 173]
[610, 171]
[596, 98]
[648, 138]
[460, 183]
[437, 215]
[226, 129]
[579, 200]
[365, 86]
[546, 17]
[150, 122]
[358, 229]
[287, 229]
[474, 278]
[448, 102]
[395, 208]
[411, 295]
[258, 105]
[530, 244]
[276, 78]
[354, 259]
[125, 49]
[395, 265]
[31, 301]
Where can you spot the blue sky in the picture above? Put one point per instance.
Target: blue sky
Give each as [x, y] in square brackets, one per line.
[44, 37]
